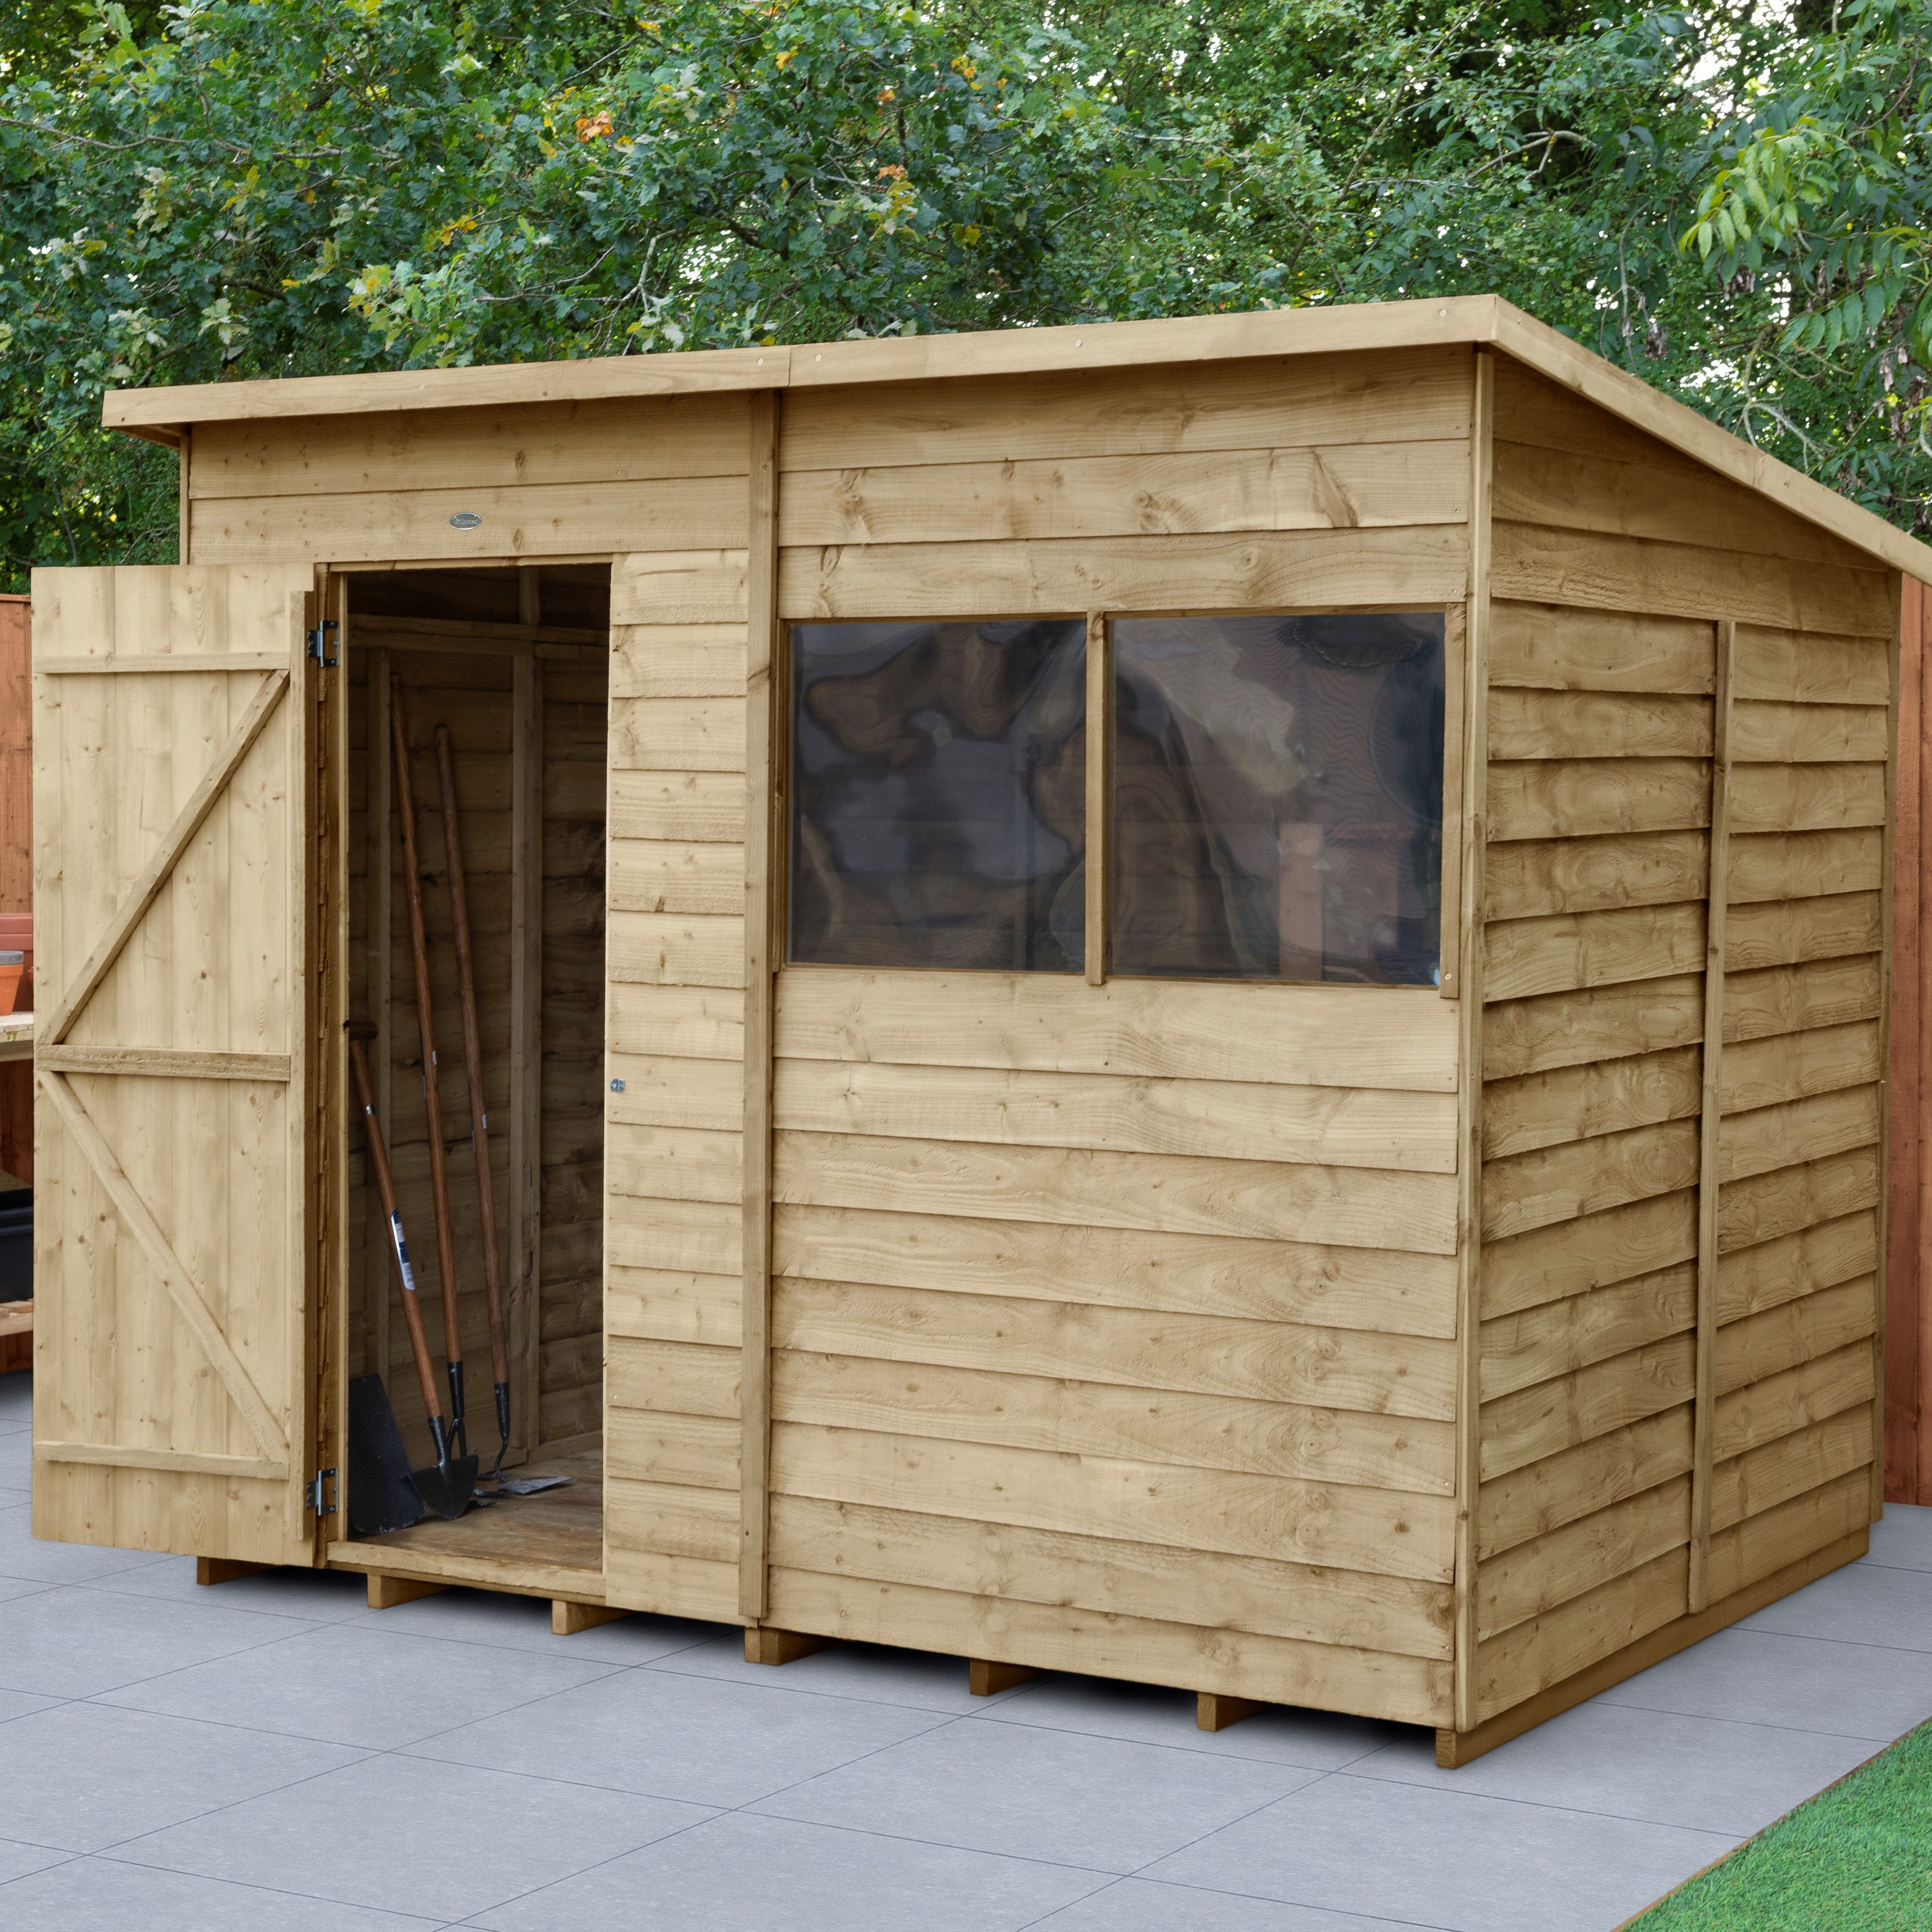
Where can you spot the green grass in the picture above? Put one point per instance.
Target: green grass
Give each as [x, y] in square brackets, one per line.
[1857, 1858]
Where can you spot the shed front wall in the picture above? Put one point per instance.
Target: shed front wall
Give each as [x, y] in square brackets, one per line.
[1615, 564]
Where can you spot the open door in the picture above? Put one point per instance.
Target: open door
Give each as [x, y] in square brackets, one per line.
[178, 928]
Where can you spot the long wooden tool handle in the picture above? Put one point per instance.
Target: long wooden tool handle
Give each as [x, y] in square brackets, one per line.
[473, 1055]
[438, 1161]
[399, 1253]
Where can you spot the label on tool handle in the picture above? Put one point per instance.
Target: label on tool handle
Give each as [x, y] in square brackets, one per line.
[402, 1253]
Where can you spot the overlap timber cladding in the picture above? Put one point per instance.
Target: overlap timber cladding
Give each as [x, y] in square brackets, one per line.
[1113, 1326]
[1611, 559]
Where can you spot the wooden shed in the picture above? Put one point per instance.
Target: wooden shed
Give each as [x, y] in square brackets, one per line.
[1202, 1001]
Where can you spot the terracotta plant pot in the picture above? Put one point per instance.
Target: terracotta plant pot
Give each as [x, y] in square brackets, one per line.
[12, 971]
[17, 934]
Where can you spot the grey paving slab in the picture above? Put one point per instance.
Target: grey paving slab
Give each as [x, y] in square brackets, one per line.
[313, 1596]
[1901, 1539]
[1624, 1761]
[82, 1777]
[696, 1739]
[101, 1895]
[21, 1555]
[17, 1860]
[522, 1623]
[1864, 1603]
[441, 1842]
[350, 1684]
[17, 1703]
[11, 1587]
[1146, 1713]
[1445, 1859]
[1101, 1803]
[1144, 1905]
[1845, 1690]
[744, 1873]
[80, 1643]
[876, 1673]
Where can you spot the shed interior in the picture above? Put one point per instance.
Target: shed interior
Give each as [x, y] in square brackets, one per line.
[513, 663]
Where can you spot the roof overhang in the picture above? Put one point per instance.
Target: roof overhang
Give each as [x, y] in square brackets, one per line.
[161, 415]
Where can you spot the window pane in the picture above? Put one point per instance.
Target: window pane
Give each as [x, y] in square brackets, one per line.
[938, 783]
[1277, 796]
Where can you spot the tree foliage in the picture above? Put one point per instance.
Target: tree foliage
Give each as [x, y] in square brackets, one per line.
[1737, 205]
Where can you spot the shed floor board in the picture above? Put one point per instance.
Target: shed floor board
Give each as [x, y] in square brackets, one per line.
[650, 1772]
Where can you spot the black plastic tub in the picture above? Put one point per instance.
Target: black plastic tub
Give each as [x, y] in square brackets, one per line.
[16, 1245]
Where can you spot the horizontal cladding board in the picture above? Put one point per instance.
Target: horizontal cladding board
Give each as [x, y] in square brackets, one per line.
[679, 586]
[1763, 1544]
[1604, 1097]
[1806, 798]
[678, 1378]
[1325, 1126]
[1602, 1023]
[1391, 485]
[678, 661]
[1751, 1279]
[1570, 951]
[1556, 1415]
[672, 1092]
[1791, 1066]
[1806, 1459]
[1654, 496]
[1793, 1131]
[675, 1022]
[1342, 1037]
[1366, 1683]
[1579, 798]
[1533, 562]
[1269, 1361]
[1349, 1528]
[677, 949]
[1556, 1338]
[614, 440]
[677, 1520]
[677, 734]
[1409, 395]
[1201, 1274]
[655, 1304]
[1563, 1564]
[1050, 1411]
[692, 1451]
[1553, 647]
[1532, 1656]
[1553, 1184]
[1286, 570]
[696, 807]
[1183, 1585]
[651, 875]
[532, 519]
[1789, 999]
[1768, 1205]
[704, 1236]
[1804, 864]
[1575, 1482]
[1762, 1411]
[1762, 1345]
[1573, 1257]
[1785, 733]
[1525, 877]
[1332, 1206]
[1790, 667]
[1540, 723]
[676, 1163]
[671, 1586]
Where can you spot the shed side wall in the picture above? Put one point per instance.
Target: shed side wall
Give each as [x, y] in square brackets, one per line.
[1614, 560]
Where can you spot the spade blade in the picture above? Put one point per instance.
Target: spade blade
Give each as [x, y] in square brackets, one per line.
[381, 1496]
[445, 1488]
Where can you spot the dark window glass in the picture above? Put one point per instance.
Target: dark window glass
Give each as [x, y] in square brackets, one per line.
[1277, 798]
[938, 786]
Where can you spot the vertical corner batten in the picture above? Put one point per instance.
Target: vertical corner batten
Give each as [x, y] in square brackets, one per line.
[764, 821]
[525, 1298]
[1888, 886]
[1099, 744]
[183, 457]
[1469, 1137]
[1711, 1117]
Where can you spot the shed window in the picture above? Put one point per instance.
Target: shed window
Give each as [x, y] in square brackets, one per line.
[938, 782]
[1277, 798]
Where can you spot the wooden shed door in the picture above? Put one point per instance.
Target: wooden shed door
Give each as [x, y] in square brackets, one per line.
[174, 921]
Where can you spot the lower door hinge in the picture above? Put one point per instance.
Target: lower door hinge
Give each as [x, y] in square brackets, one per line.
[318, 644]
[314, 1493]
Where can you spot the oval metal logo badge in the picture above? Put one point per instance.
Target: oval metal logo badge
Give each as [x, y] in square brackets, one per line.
[465, 520]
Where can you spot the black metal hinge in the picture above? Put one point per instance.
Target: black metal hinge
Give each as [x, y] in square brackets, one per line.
[315, 1494]
[318, 644]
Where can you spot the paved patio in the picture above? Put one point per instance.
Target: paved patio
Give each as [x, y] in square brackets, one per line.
[270, 1756]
